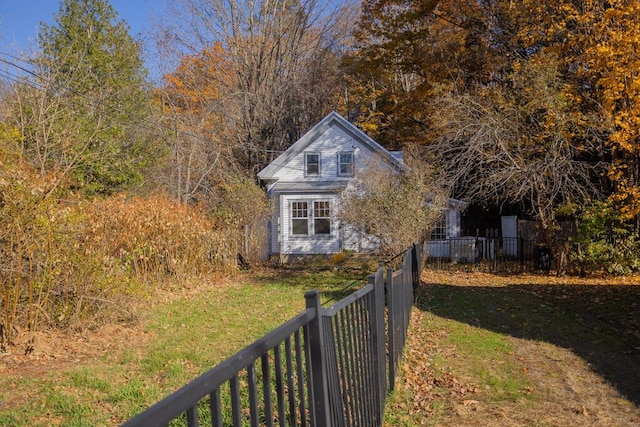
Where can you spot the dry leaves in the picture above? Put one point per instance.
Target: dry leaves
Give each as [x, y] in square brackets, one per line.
[425, 384]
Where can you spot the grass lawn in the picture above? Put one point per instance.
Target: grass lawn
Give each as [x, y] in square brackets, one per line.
[487, 350]
[106, 376]
[483, 350]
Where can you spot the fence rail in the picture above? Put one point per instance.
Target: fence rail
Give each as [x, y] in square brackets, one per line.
[325, 367]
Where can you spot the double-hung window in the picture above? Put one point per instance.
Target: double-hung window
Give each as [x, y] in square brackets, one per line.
[311, 218]
[311, 164]
[439, 231]
[321, 217]
[345, 163]
[299, 218]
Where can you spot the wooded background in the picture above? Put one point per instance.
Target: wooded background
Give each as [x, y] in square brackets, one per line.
[532, 104]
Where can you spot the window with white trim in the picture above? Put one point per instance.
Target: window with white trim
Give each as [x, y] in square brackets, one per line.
[311, 164]
[346, 163]
[309, 222]
[321, 217]
[299, 218]
[439, 231]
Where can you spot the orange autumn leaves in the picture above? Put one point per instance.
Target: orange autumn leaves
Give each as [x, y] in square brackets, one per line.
[616, 56]
[600, 45]
[196, 81]
[409, 54]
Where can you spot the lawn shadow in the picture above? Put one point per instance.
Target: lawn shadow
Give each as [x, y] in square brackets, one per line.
[599, 323]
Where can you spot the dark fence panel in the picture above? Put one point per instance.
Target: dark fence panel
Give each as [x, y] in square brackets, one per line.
[221, 395]
[349, 327]
[399, 303]
[493, 254]
[325, 367]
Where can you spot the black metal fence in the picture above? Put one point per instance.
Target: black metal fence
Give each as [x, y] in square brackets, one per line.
[325, 367]
[495, 254]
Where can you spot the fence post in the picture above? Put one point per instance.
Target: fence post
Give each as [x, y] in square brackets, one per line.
[391, 328]
[415, 269]
[378, 341]
[521, 252]
[319, 389]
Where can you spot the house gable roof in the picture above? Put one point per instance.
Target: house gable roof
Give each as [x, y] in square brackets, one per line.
[332, 119]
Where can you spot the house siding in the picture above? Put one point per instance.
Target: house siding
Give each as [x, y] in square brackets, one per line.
[328, 145]
[354, 241]
[274, 242]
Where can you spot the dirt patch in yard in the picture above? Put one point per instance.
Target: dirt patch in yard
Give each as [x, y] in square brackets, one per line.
[573, 344]
[35, 353]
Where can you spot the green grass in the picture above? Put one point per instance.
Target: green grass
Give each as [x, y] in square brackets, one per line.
[464, 339]
[188, 335]
[485, 358]
[465, 362]
[515, 341]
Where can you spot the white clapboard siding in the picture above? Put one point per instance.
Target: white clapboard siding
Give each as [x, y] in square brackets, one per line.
[333, 141]
[274, 234]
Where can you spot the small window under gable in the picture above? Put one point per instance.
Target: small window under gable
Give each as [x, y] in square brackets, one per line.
[346, 163]
[312, 164]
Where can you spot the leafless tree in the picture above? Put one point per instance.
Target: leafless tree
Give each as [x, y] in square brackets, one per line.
[40, 111]
[189, 109]
[393, 209]
[282, 59]
[523, 147]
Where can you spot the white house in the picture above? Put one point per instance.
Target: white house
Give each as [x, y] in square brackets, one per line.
[305, 183]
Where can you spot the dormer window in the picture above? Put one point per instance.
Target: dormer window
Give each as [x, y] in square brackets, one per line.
[345, 163]
[311, 164]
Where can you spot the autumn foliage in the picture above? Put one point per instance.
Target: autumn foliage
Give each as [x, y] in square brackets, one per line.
[533, 103]
[548, 90]
[66, 261]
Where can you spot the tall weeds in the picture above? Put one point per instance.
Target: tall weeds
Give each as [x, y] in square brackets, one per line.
[69, 262]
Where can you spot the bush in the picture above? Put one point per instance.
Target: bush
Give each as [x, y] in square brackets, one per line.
[605, 242]
[388, 209]
[151, 237]
[46, 276]
[69, 262]
[241, 209]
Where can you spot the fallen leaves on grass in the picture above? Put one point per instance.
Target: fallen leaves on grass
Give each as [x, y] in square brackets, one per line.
[489, 279]
[424, 384]
[575, 340]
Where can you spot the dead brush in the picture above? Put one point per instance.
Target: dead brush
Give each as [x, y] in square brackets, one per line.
[76, 263]
[73, 263]
[29, 265]
[152, 237]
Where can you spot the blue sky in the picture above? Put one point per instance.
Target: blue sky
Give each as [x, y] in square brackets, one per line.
[20, 19]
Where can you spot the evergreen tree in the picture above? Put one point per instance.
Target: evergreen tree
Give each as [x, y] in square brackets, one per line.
[91, 98]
